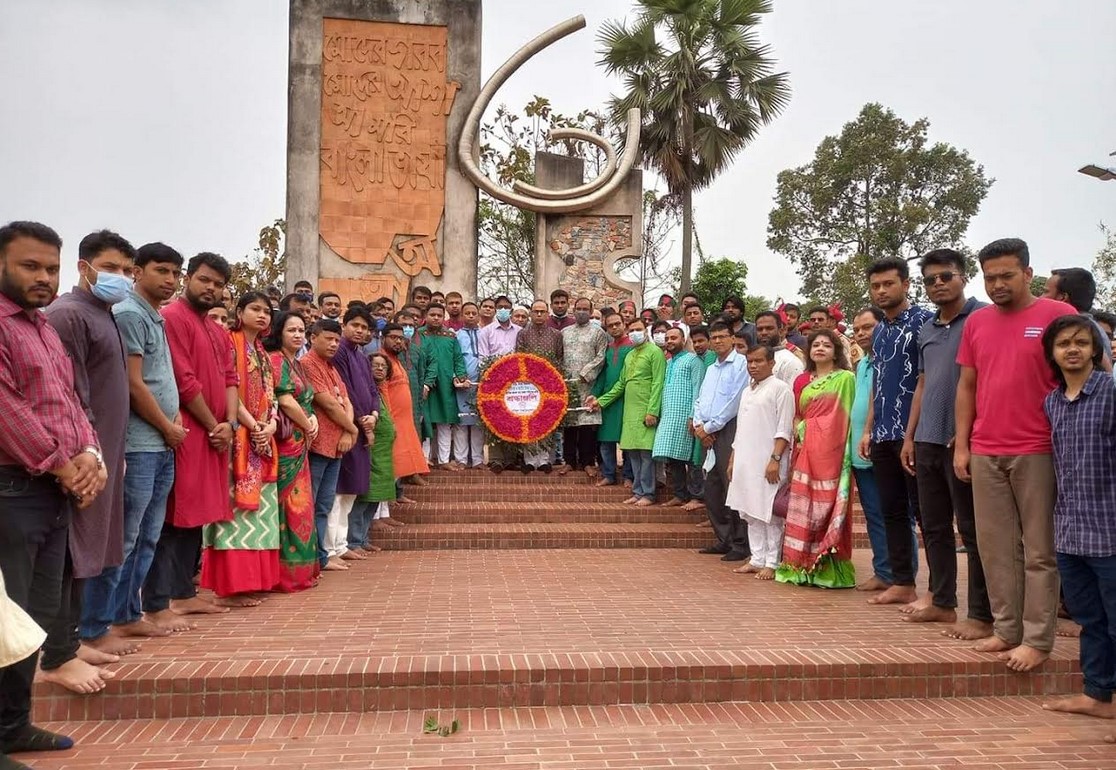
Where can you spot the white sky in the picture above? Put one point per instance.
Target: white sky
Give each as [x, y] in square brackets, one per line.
[167, 120]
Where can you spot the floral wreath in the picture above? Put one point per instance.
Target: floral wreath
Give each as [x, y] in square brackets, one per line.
[522, 398]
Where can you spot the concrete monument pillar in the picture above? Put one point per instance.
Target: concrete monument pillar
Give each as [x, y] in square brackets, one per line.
[378, 95]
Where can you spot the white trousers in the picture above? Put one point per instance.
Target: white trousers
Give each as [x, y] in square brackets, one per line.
[382, 512]
[766, 541]
[337, 528]
[444, 436]
[536, 457]
[468, 444]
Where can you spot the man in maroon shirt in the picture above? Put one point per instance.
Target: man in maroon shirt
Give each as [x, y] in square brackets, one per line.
[50, 461]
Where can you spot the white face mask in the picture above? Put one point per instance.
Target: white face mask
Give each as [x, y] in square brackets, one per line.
[659, 338]
[637, 338]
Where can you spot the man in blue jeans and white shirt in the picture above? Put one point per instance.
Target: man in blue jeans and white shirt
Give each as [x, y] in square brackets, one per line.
[113, 612]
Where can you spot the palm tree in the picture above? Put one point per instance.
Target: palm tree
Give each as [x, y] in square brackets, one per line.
[704, 84]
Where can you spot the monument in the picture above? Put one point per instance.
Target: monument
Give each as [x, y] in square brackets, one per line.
[378, 94]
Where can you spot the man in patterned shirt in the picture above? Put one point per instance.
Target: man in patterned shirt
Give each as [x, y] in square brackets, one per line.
[50, 462]
[1082, 414]
[895, 375]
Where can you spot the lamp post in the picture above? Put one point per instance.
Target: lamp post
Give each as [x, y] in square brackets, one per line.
[1100, 172]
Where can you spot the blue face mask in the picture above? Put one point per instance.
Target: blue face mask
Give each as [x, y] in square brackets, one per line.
[110, 287]
[595, 322]
[380, 324]
[637, 338]
[503, 315]
[408, 331]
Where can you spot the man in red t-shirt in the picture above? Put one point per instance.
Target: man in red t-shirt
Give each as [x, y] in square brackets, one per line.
[1003, 441]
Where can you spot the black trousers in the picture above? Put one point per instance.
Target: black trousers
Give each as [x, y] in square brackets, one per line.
[942, 496]
[34, 519]
[579, 446]
[898, 497]
[63, 640]
[172, 572]
[727, 526]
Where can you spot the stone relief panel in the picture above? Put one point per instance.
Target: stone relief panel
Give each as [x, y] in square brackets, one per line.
[385, 102]
[590, 245]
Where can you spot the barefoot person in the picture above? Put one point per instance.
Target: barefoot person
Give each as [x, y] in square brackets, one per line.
[49, 461]
[241, 557]
[407, 457]
[1082, 414]
[114, 612]
[612, 416]
[83, 320]
[760, 459]
[894, 376]
[206, 377]
[817, 540]
[675, 444]
[1003, 446]
[928, 452]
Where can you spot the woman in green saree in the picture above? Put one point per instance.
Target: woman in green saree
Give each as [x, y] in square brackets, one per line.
[817, 545]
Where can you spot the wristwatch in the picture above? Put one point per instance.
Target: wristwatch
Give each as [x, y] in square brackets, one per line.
[100, 458]
[777, 458]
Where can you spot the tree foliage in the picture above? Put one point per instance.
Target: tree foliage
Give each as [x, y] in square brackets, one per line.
[267, 265]
[704, 84]
[1038, 285]
[1104, 271]
[878, 189]
[717, 279]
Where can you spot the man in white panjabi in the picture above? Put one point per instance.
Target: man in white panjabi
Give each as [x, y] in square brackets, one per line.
[760, 459]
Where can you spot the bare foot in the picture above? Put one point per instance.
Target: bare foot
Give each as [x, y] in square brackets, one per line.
[335, 565]
[141, 628]
[606, 483]
[170, 621]
[896, 595]
[643, 502]
[562, 469]
[693, 505]
[404, 501]
[672, 502]
[78, 676]
[917, 605]
[95, 657]
[969, 630]
[1024, 658]
[873, 584]
[239, 600]
[1068, 629]
[704, 523]
[765, 574]
[631, 500]
[627, 485]
[1081, 704]
[746, 569]
[111, 644]
[353, 556]
[372, 548]
[931, 614]
[393, 522]
[993, 644]
[196, 606]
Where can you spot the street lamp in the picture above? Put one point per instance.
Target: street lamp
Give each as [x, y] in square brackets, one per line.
[1100, 172]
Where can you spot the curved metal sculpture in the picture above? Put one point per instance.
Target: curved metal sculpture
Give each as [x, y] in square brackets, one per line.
[528, 196]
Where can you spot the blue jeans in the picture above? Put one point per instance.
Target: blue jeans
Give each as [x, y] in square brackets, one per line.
[360, 520]
[877, 533]
[643, 468]
[1089, 588]
[323, 480]
[608, 461]
[113, 597]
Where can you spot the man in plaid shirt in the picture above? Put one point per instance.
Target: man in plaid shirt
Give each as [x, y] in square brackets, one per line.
[50, 461]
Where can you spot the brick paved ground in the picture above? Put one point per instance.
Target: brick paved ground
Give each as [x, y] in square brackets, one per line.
[976, 734]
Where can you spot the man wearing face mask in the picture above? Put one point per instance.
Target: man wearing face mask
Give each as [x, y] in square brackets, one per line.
[584, 346]
[498, 339]
[659, 335]
[414, 360]
[84, 322]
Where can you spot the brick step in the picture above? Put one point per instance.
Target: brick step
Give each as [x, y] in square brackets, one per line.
[535, 535]
[521, 493]
[1005, 733]
[543, 513]
[507, 478]
[501, 628]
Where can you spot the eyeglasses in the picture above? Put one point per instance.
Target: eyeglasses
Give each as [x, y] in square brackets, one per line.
[945, 277]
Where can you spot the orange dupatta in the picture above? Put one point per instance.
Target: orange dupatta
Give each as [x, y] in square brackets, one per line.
[257, 393]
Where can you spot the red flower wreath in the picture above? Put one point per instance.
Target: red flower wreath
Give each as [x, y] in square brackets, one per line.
[522, 398]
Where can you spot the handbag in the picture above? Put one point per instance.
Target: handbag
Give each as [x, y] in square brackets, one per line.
[782, 502]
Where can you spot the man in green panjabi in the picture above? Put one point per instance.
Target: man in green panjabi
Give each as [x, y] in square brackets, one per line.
[612, 416]
[445, 374]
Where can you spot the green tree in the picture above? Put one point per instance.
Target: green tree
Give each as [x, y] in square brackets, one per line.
[704, 85]
[267, 265]
[878, 189]
[1104, 271]
[1038, 285]
[718, 279]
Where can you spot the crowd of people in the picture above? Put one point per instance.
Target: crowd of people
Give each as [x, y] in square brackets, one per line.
[158, 433]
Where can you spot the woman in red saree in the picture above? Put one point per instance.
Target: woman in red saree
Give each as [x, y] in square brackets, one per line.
[298, 540]
[817, 545]
[241, 556]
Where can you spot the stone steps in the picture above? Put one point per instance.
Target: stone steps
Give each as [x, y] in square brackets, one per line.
[584, 512]
[543, 534]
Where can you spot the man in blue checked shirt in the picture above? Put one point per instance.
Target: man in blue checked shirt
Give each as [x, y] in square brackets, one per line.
[1082, 414]
[715, 427]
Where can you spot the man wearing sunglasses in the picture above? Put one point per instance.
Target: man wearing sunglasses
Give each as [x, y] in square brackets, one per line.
[928, 452]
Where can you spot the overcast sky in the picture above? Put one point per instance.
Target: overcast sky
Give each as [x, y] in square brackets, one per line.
[167, 120]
